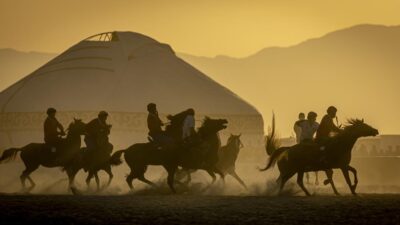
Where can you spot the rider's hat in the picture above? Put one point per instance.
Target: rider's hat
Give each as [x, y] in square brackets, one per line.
[51, 111]
[103, 113]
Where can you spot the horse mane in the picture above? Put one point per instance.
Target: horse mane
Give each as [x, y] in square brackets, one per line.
[353, 122]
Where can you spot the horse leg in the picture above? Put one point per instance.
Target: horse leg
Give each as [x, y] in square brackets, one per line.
[283, 179]
[110, 175]
[316, 178]
[96, 177]
[300, 176]
[129, 179]
[329, 174]
[89, 178]
[345, 172]
[25, 175]
[328, 180]
[170, 179]
[354, 171]
[212, 174]
[236, 176]
[143, 179]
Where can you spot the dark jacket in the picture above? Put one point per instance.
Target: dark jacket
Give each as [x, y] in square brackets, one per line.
[326, 127]
[154, 124]
[97, 132]
[52, 130]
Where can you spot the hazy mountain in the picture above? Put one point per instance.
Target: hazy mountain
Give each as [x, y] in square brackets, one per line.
[14, 64]
[355, 69]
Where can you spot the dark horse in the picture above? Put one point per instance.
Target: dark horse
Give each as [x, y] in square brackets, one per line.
[34, 155]
[204, 155]
[335, 154]
[227, 156]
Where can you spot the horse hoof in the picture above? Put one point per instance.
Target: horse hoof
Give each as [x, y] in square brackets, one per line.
[326, 182]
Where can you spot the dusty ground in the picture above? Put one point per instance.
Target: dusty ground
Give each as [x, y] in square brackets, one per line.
[192, 209]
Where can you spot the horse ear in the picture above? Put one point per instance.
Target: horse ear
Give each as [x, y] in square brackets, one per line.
[240, 135]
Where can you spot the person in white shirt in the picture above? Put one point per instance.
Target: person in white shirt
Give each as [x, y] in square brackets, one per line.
[188, 128]
[309, 127]
[297, 126]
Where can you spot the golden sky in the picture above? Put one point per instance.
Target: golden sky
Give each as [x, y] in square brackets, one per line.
[206, 27]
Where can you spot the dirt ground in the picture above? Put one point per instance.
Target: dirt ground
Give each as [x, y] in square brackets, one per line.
[374, 209]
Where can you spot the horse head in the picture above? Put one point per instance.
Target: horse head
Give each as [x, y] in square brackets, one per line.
[235, 141]
[360, 129]
[77, 127]
[212, 126]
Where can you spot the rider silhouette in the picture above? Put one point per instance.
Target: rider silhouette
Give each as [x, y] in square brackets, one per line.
[308, 128]
[97, 132]
[327, 126]
[297, 127]
[53, 130]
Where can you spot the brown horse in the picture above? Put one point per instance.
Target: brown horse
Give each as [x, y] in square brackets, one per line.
[202, 156]
[35, 154]
[227, 156]
[336, 153]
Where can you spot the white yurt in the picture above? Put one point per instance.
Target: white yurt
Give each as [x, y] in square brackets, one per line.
[120, 72]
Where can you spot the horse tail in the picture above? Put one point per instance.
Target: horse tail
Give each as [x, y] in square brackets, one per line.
[276, 156]
[271, 141]
[115, 159]
[10, 154]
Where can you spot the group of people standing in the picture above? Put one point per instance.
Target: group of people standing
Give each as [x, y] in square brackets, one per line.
[306, 129]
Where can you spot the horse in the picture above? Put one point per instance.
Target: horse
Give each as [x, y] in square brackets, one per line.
[334, 154]
[227, 156]
[202, 156]
[38, 154]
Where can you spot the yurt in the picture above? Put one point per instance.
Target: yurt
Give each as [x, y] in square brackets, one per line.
[120, 72]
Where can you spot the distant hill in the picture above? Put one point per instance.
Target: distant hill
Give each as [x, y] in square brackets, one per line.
[355, 69]
[14, 64]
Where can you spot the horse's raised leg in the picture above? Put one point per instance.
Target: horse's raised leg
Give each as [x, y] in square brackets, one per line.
[354, 171]
[300, 176]
[345, 172]
[234, 174]
[329, 174]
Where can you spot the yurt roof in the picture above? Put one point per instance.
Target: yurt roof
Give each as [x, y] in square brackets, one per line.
[120, 71]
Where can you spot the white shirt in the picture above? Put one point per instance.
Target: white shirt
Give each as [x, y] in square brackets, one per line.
[188, 124]
[308, 130]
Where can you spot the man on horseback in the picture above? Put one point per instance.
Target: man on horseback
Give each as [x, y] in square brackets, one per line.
[327, 126]
[188, 129]
[53, 130]
[97, 132]
[154, 125]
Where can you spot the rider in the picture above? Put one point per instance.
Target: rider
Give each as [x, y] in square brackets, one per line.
[327, 126]
[309, 127]
[53, 130]
[297, 127]
[188, 125]
[97, 132]
[154, 124]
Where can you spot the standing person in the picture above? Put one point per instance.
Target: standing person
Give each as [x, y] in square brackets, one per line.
[327, 127]
[309, 127]
[188, 129]
[297, 127]
[52, 130]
